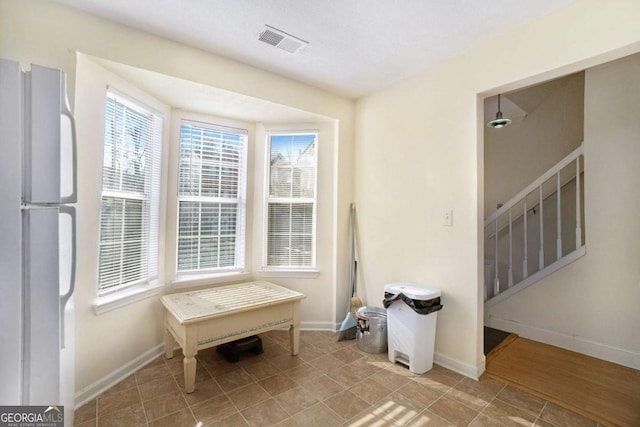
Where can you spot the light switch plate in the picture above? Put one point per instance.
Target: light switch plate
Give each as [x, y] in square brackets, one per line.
[448, 218]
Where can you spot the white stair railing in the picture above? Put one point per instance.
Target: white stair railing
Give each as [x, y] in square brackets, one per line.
[517, 209]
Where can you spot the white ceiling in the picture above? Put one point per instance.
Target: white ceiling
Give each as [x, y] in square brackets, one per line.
[356, 46]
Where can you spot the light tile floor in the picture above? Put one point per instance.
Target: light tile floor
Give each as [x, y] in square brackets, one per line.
[328, 384]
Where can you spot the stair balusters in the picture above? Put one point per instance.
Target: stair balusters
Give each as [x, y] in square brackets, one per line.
[530, 202]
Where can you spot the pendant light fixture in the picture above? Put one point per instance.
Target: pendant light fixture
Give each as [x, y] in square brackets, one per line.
[499, 122]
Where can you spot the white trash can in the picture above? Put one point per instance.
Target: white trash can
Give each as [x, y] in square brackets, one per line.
[412, 312]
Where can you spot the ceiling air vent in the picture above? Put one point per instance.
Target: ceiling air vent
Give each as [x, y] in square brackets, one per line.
[282, 40]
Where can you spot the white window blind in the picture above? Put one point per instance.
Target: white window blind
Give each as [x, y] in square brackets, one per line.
[211, 198]
[291, 201]
[129, 218]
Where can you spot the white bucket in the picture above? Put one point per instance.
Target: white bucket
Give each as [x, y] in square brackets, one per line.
[371, 334]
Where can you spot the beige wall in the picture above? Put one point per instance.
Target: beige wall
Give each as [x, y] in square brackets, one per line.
[419, 150]
[45, 33]
[592, 304]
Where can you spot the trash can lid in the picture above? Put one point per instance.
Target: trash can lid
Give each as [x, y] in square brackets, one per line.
[413, 291]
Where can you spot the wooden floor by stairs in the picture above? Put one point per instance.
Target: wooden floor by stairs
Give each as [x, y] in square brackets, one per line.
[600, 390]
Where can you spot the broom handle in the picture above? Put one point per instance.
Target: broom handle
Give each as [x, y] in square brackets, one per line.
[355, 276]
[353, 250]
[352, 273]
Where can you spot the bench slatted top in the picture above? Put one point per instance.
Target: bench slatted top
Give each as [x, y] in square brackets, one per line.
[195, 306]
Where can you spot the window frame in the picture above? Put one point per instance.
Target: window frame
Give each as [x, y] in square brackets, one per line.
[183, 278]
[151, 202]
[267, 199]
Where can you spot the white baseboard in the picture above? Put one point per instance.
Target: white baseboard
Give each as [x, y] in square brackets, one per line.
[600, 350]
[318, 326]
[103, 384]
[315, 326]
[473, 372]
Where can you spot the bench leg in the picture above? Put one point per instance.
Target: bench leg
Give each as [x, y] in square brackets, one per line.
[189, 363]
[294, 330]
[294, 339]
[169, 343]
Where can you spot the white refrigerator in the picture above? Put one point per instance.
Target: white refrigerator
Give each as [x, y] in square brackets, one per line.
[37, 238]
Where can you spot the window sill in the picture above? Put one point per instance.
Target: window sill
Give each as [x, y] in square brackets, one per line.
[194, 281]
[125, 297]
[288, 274]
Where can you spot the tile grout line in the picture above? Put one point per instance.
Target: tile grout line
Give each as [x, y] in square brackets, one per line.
[426, 408]
[166, 364]
[96, 419]
[98, 408]
[487, 405]
[546, 402]
[523, 408]
[179, 391]
[96, 412]
[224, 393]
[157, 397]
[227, 395]
[257, 382]
[324, 374]
[443, 395]
[321, 402]
[230, 400]
[144, 412]
[291, 416]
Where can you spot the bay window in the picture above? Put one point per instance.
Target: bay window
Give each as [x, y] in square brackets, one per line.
[290, 205]
[130, 195]
[211, 198]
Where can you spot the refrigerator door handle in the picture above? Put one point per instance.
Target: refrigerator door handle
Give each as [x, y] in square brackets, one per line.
[71, 211]
[73, 197]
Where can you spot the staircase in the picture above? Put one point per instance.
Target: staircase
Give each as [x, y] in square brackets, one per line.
[537, 232]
